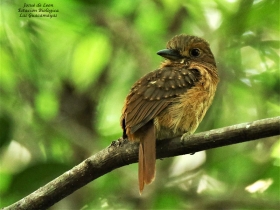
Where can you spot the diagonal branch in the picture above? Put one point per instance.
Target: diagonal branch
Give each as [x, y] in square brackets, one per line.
[121, 153]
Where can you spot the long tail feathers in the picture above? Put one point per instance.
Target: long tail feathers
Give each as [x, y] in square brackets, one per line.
[141, 168]
[147, 158]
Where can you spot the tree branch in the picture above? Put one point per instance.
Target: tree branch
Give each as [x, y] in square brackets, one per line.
[121, 153]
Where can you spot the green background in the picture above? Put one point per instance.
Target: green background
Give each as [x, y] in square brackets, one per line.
[63, 81]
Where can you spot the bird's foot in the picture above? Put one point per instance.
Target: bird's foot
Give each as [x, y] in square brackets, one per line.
[118, 143]
[184, 138]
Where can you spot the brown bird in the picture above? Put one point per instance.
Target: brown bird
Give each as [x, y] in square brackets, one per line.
[170, 101]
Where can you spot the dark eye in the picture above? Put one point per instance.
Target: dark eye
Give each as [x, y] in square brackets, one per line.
[195, 52]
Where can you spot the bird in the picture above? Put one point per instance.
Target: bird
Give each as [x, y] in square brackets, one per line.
[170, 101]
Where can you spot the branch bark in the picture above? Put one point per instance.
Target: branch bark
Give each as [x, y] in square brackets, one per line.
[121, 153]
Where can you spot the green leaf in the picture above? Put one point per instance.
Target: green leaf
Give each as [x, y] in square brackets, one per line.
[90, 57]
[46, 104]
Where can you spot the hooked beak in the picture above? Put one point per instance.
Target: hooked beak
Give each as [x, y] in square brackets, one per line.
[170, 54]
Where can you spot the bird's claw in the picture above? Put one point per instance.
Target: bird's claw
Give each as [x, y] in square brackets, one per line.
[121, 141]
[184, 137]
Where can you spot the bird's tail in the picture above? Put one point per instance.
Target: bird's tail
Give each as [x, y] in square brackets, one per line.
[147, 158]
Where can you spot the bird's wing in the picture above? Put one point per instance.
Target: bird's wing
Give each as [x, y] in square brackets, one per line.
[154, 92]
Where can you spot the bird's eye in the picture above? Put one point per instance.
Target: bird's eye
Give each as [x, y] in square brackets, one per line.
[195, 52]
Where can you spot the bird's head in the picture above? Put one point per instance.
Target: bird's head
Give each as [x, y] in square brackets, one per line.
[183, 48]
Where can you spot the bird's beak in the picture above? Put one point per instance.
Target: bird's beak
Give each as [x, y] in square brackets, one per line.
[170, 54]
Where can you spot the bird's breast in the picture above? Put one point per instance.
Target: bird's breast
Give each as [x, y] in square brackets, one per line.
[186, 111]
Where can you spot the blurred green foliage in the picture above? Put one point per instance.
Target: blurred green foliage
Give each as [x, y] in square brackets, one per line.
[63, 81]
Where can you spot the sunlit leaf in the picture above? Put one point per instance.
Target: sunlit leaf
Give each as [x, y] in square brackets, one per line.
[90, 57]
[46, 104]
